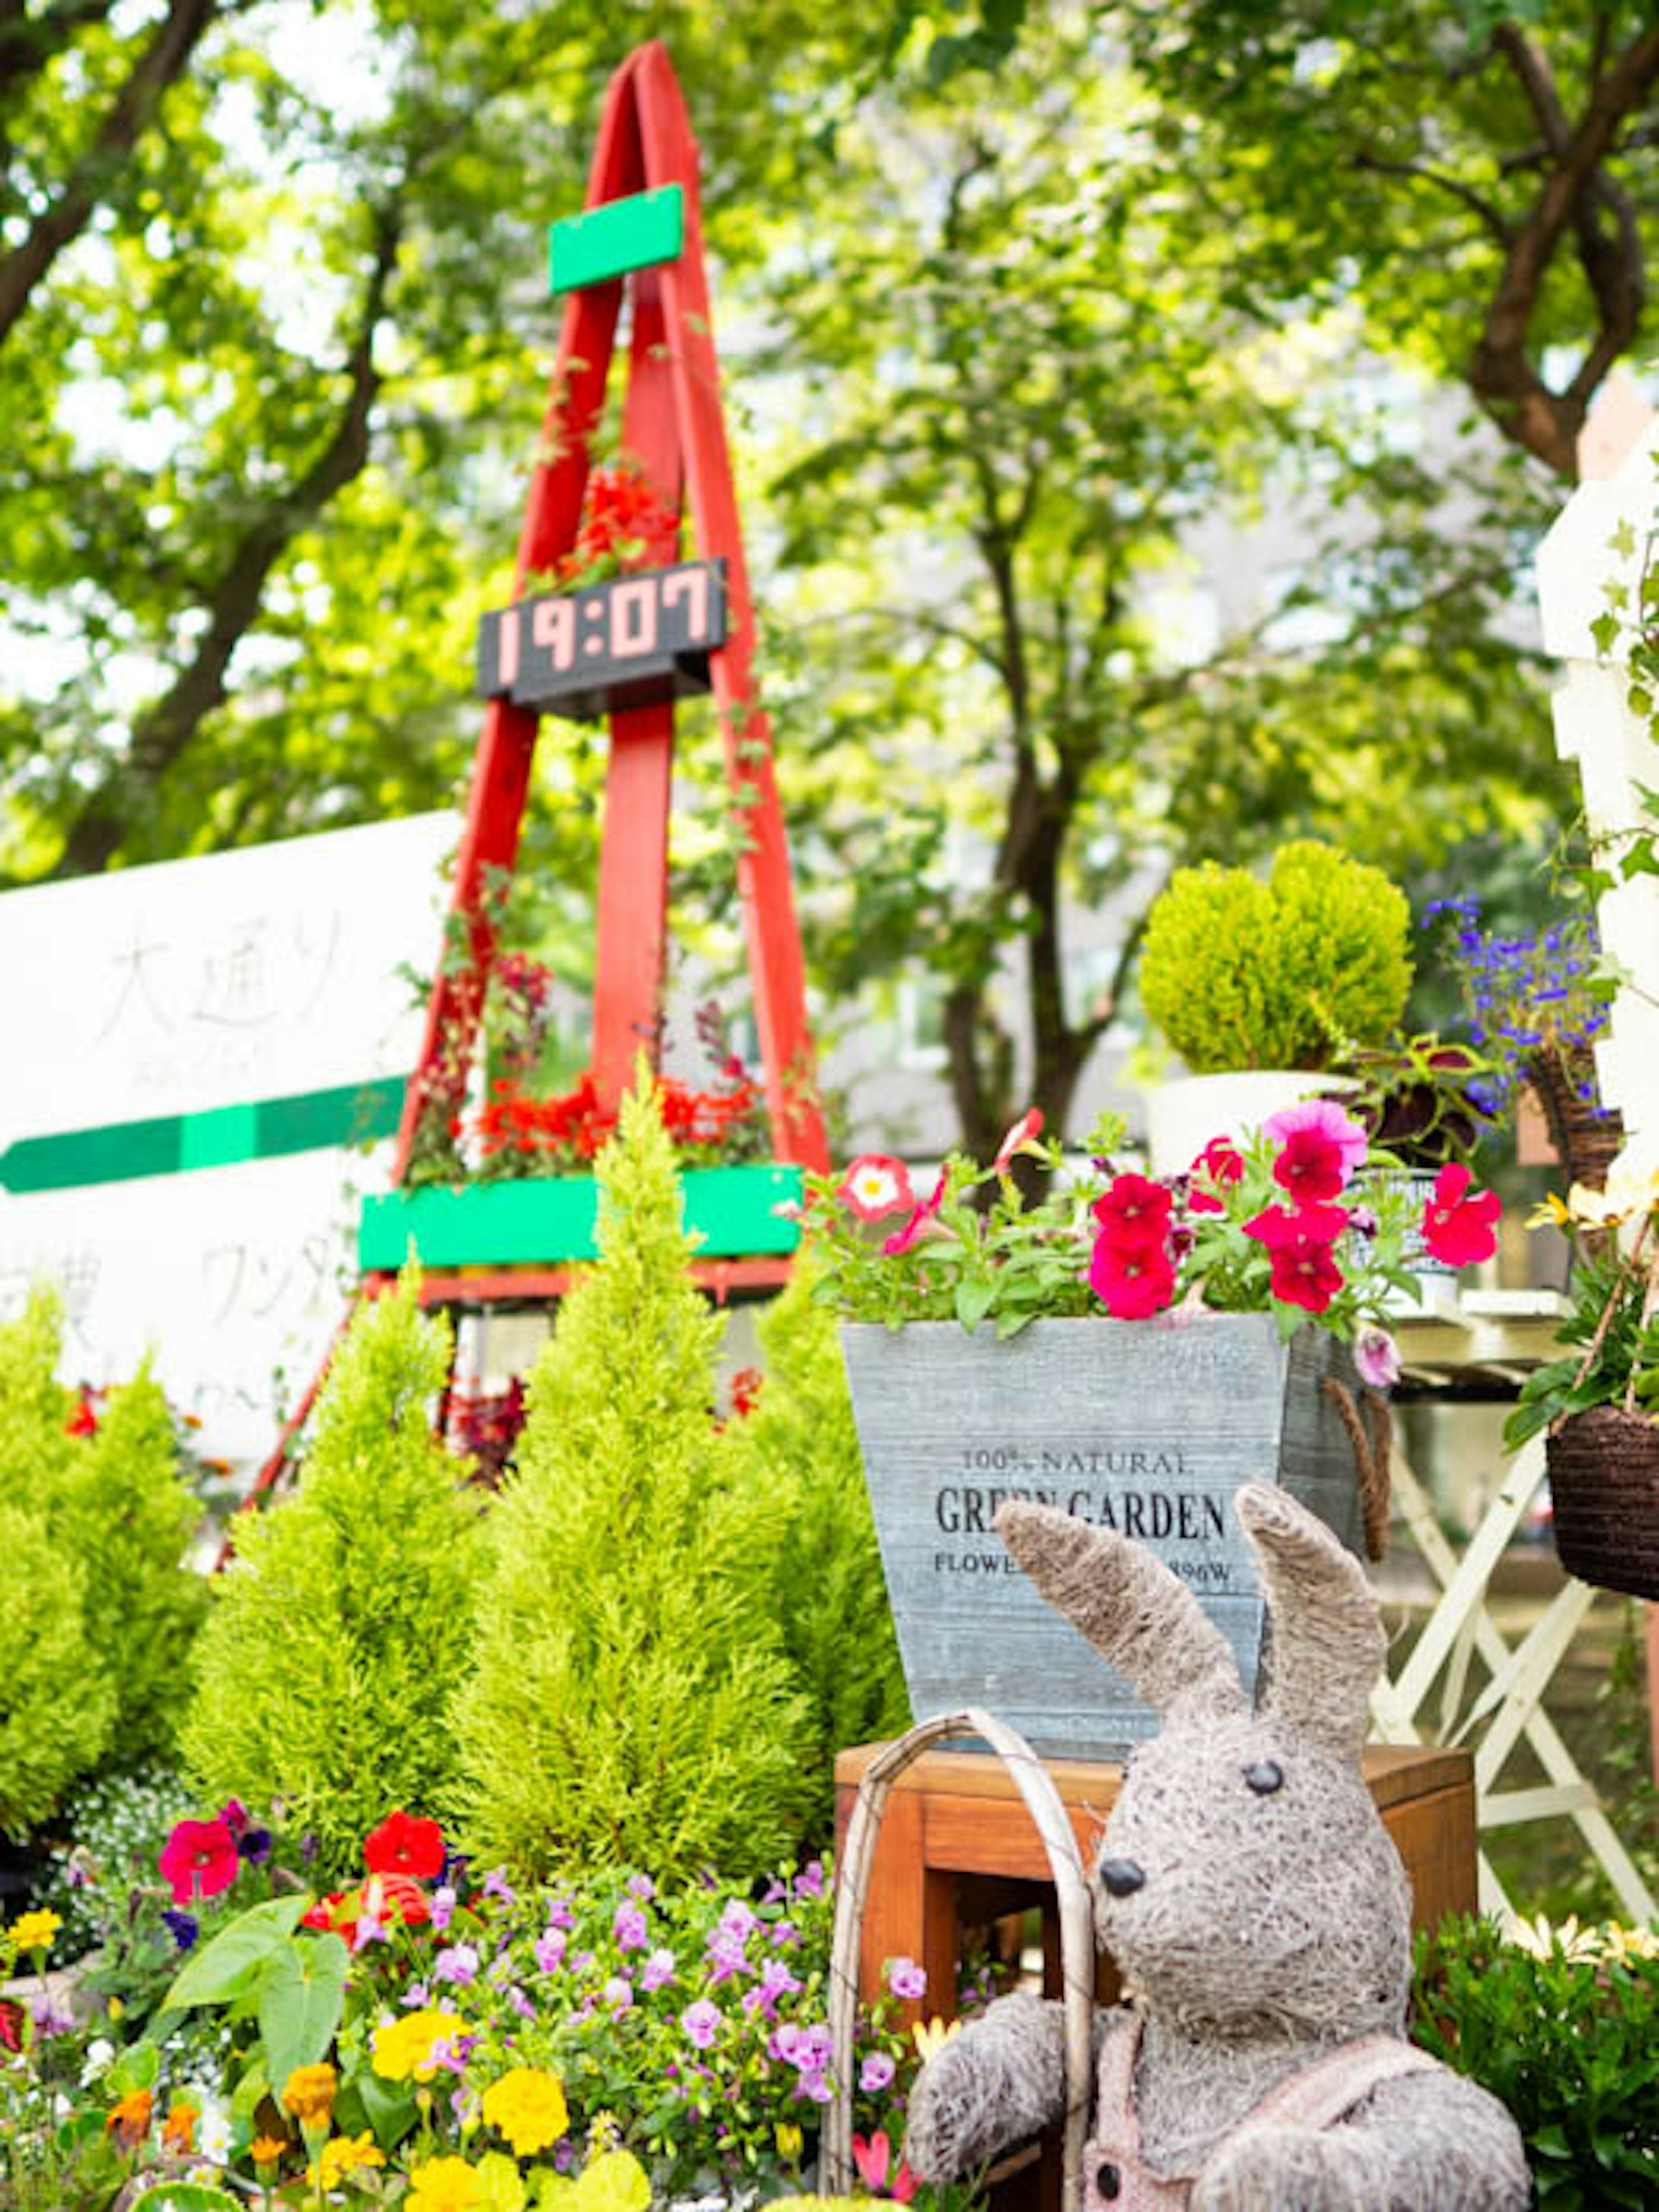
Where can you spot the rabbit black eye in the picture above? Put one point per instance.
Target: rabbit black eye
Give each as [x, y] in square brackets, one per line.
[1265, 1776]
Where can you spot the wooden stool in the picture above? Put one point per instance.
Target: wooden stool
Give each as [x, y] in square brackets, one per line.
[957, 1849]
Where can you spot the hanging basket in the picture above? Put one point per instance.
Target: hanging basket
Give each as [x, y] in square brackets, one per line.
[1077, 1936]
[1587, 1138]
[1604, 1488]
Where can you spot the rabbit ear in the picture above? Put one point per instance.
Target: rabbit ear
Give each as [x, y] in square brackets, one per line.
[1135, 1613]
[1325, 1640]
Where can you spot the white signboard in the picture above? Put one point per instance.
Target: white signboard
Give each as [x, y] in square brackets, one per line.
[188, 1050]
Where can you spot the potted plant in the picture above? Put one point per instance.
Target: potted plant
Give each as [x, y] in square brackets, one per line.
[1537, 1003]
[1130, 1348]
[1261, 985]
[1598, 1406]
[1419, 1100]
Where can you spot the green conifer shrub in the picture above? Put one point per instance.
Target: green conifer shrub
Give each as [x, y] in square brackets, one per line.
[1241, 974]
[327, 1664]
[799, 1451]
[630, 1703]
[56, 1706]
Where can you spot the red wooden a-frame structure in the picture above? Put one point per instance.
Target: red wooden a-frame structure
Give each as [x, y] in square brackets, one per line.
[673, 430]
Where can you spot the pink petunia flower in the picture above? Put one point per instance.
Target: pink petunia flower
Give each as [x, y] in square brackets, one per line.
[1133, 1214]
[874, 2161]
[876, 1185]
[1321, 1149]
[1300, 1243]
[928, 1211]
[1220, 1162]
[198, 1859]
[1377, 1355]
[1022, 1138]
[1133, 1285]
[1459, 1228]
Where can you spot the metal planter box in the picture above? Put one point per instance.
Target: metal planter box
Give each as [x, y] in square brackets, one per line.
[1144, 1426]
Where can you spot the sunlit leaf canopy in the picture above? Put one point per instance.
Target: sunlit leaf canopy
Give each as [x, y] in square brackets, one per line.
[1143, 414]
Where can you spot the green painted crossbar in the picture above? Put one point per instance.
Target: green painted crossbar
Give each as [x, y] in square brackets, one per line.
[171, 1144]
[607, 241]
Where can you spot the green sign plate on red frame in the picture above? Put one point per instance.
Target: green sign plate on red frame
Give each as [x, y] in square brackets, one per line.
[545, 1220]
[606, 242]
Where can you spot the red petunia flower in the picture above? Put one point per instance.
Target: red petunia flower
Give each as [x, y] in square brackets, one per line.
[1219, 1161]
[876, 1185]
[1320, 1150]
[198, 1859]
[403, 1845]
[1021, 1138]
[1133, 1283]
[1458, 1228]
[1299, 1242]
[925, 1211]
[1133, 1214]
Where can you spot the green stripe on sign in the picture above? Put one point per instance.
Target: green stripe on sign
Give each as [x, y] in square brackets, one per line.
[222, 1136]
[607, 241]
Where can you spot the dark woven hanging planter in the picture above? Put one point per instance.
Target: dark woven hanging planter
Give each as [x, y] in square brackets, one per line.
[1604, 1489]
[1588, 1138]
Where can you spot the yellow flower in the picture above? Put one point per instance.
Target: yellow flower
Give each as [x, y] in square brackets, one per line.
[268, 2150]
[603, 2133]
[1550, 1213]
[788, 2138]
[309, 2093]
[343, 2155]
[1623, 1944]
[1567, 1940]
[527, 2105]
[931, 2038]
[129, 2121]
[34, 1931]
[443, 2184]
[178, 2129]
[406, 2047]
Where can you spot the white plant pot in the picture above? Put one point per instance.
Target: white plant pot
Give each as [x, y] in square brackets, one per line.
[1183, 1117]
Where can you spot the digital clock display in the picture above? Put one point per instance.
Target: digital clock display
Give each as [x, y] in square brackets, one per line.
[630, 642]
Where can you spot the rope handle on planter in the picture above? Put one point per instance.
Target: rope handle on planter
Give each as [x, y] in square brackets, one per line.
[1372, 1439]
[1077, 1942]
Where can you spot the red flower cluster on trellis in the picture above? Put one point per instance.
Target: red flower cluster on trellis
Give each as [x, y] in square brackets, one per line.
[622, 521]
[519, 1134]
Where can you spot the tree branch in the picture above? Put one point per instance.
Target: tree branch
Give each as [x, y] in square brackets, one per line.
[162, 62]
[162, 733]
[1470, 198]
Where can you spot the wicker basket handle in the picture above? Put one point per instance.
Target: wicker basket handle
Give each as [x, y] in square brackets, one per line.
[1077, 1945]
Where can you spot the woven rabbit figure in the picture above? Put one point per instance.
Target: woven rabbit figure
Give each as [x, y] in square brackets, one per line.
[1256, 1904]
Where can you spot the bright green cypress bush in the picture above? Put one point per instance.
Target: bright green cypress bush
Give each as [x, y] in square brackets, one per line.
[799, 1451]
[326, 1666]
[1241, 974]
[630, 1703]
[56, 1705]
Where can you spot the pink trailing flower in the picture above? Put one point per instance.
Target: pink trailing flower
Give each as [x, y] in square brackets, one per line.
[1220, 1162]
[1134, 1285]
[1300, 1243]
[198, 1859]
[1377, 1355]
[1022, 1138]
[1459, 1228]
[1322, 1149]
[875, 1186]
[874, 2161]
[1133, 1214]
[926, 1212]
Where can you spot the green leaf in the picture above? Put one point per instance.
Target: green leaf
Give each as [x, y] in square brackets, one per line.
[390, 2107]
[1605, 631]
[229, 1964]
[974, 1300]
[1623, 540]
[184, 2197]
[301, 1991]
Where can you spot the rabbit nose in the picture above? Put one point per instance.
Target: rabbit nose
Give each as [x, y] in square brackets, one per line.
[1121, 1877]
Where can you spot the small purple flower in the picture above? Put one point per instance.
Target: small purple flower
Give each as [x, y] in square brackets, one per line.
[48, 2019]
[813, 2084]
[559, 1914]
[459, 1963]
[809, 1882]
[618, 1993]
[185, 1926]
[875, 2074]
[520, 2003]
[657, 1969]
[702, 2022]
[739, 1920]
[581, 1962]
[415, 1996]
[368, 1931]
[906, 1979]
[776, 1981]
[496, 1885]
[307, 1849]
[785, 1933]
[254, 1846]
[642, 1887]
[453, 2051]
[726, 1956]
[550, 1950]
[629, 1928]
[1377, 1355]
[443, 1907]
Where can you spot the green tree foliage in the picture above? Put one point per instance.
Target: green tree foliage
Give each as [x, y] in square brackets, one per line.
[631, 1703]
[326, 1667]
[799, 1451]
[117, 1606]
